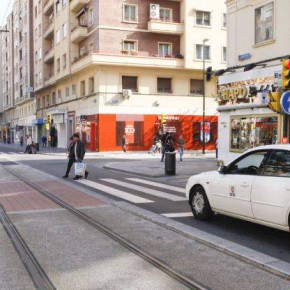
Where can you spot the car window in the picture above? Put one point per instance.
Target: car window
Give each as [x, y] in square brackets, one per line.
[278, 164]
[250, 164]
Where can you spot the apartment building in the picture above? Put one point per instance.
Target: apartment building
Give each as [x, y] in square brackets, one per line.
[17, 79]
[257, 41]
[115, 67]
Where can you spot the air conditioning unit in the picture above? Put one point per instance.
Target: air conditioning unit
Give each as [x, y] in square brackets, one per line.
[127, 94]
[154, 11]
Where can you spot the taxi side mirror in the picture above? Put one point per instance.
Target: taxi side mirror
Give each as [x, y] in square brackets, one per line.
[222, 169]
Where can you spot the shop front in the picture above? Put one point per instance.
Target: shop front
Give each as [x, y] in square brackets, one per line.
[245, 119]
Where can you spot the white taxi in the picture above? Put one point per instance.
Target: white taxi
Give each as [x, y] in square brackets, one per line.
[254, 187]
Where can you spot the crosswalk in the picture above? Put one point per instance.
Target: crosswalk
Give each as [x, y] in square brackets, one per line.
[141, 194]
[11, 153]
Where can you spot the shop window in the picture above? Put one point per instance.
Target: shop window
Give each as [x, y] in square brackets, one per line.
[133, 131]
[130, 83]
[210, 133]
[196, 87]
[164, 85]
[249, 132]
[264, 23]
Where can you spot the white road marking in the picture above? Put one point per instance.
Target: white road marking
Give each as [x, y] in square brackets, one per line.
[157, 184]
[145, 190]
[178, 214]
[115, 192]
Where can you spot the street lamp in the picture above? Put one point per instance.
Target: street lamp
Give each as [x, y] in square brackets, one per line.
[203, 98]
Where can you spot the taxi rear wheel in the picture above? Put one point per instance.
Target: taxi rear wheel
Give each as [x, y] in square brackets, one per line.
[199, 204]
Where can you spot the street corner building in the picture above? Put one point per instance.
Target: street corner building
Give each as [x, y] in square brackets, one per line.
[250, 90]
[110, 67]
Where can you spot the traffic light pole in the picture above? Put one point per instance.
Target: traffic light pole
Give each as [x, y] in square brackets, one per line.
[203, 97]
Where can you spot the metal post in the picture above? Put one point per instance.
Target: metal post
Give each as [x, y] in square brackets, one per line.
[203, 98]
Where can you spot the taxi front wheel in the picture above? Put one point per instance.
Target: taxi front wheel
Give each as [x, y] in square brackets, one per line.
[199, 204]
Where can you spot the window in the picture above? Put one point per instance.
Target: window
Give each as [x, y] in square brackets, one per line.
[83, 88]
[203, 18]
[166, 14]
[64, 30]
[39, 30]
[35, 11]
[264, 23]
[74, 89]
[130, 83]
[20, 73]
[196, 87]
[63, 3]
[58, 65]
[57, 7]
[224, 20]
[59, 95]
[38, 103]
[43, 102]
[224, 54]
[202, 51]
[249, 132]
[165, 49]
[67, 91]
[40, 53]
[20, 54]
[278, 164]
[35, 34]
[58, 36]
[164, 85]
[47, 101]
[91, 85]
[40, 76]
[129, 45]
[91, 16]
[250, 164]
[64, 61]
[53, 99]
[130, 13]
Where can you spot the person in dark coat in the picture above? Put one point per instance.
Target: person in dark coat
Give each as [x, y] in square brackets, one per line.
[79, 152]
[124, 143]
[163, 142]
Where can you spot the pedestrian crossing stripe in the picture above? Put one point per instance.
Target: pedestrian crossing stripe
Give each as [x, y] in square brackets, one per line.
[149, 191]
[115, 192]
[177, 214]
[157, 184]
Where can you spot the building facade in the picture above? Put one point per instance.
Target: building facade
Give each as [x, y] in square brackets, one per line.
[121, 67]
[17, 79]
[255, 49]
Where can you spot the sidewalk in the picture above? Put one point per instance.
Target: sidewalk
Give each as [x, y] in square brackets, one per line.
[53, 235]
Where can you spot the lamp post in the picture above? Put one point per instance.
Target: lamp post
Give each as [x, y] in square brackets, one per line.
[203, 98]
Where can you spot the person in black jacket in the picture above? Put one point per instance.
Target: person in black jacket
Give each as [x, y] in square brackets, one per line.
[79, 153]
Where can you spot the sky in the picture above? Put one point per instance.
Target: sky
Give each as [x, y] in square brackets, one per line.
[3, 8]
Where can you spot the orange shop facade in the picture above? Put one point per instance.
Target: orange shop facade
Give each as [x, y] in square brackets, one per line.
[103, 132]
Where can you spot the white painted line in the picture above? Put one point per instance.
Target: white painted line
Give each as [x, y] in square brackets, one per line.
[177, 215]
[115, 192]
[145, 190]
[157, 184]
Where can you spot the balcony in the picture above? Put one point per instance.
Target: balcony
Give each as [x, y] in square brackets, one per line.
[164, 27]
[48, 7]
[120, 59]
[49, 31]
[78, 33]
[77, 5]
[49, 80]
[49, 56]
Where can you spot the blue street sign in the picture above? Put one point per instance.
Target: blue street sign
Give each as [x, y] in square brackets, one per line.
[285, 102]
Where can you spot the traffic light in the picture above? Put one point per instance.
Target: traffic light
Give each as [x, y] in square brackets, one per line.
[274, 103]
[286, 74]
[209, 73]
[48, 120]
[163, 119]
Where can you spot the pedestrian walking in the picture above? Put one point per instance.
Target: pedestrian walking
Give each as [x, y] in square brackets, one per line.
[79, 153]
[181, 143]
[71, 157]
[44, 141]
[21, 140]
[124, 143]
[28, 144]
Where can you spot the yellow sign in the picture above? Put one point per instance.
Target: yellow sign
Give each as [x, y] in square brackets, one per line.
[233, 94]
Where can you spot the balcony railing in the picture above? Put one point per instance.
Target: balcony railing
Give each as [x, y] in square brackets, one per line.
[165, 27]
[49, 30]
[79, 33]
[48, 7]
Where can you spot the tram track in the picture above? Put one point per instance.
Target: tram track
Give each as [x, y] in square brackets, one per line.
[35, 270]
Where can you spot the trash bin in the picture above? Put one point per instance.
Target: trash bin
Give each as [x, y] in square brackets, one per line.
[170, 163]
[36, 146]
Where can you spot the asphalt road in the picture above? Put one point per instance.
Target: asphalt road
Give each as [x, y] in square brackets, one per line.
[262, 239]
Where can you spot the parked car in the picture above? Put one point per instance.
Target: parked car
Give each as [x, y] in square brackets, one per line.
[254, 187]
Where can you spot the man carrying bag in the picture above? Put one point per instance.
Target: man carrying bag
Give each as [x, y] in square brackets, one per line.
[79, 153]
